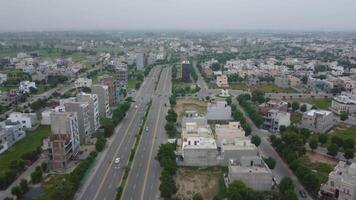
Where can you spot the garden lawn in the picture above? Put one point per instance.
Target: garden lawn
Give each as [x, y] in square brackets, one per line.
[345, 132]
[295, 118]
[321, 103]
[131, 83]
[29, 143]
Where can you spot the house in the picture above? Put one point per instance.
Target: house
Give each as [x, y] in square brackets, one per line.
[10, 133]
[25, 86]
[219, 110]
[274, 119]
[272, 104]
[319, 121]
[344, 103]
[235, 149]
[222, 81]
[251, 170]
[83, 82]
[27, 120]
[341, 184]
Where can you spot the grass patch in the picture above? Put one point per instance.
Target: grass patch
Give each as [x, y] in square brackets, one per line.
[345, 132]
[131, 83]
[295, 118]
[321, 169]
[267, 88]
[30, 143]
[320, 103]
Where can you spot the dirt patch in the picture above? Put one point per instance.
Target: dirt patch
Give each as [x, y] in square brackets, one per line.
[318, 158]
[191, 181]
[189, 104]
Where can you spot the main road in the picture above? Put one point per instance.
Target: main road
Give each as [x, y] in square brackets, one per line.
[143, 180]
[106, 175]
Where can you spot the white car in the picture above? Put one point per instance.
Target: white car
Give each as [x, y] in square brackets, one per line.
[117, 160]
[136, 106]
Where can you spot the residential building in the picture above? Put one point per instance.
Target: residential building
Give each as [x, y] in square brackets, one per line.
[222, 81]
[10, 133]
[319, 121]
[27, 120]
[186, 70]
[293, 81]
[102, 91]
[235, 149]
[83, 82]
[227, 133]
[344, 103]
[274, 119]
[121, 80]
[25, 86]
[64, 143]
[218, 111]
[272, 104]
[112, 87]
[141, 59]
[341, 184]
[83, 114]
[251, 170]
[3, 78]
[281, 82]
[92, 100]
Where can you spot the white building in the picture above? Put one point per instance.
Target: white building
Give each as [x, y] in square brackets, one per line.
[222, 81]
[251, 170]
[218, 111]
[3, 78]
[344, 103]
[26, 85]
[10, 133]
[341, 184]
[27, 120]
[318, 121]
[83, 82]
[274, 119]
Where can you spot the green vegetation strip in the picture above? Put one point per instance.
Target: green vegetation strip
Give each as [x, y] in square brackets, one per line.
[132, 155]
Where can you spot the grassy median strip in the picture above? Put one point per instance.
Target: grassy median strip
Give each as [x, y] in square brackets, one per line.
[132, 155]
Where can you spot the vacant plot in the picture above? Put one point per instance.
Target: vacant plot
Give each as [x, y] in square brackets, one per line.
[318, 158]
[320, 103]
[320, 165]
[189, 104]
[190, 181]
[267, 88]
[30, 143]
[345, 132]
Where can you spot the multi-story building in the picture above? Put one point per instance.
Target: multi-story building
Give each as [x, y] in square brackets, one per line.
[227, 133]
[318, 121]
[92, 100]
[3, 78]
[186, 70]
[141, 59]
[83, 82]
[274, 119]
[10, 133]
[272, 104]
[222, 82]
[112, 87]
[219, 110]
[251, 170]
[27, 120]
[83, 114]
[64, 142]
[25, 86]
[102, 91]
[235, 149]
[341, 184]
[344, 103]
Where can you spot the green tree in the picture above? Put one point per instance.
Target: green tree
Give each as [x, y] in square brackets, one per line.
[197, 196]
[333, 149]
[108, 126]
[271, 163]
[295, 105]
[258, 96]
[323, 138]
[313, 144]
[16, 191]
[348, 143]
[256, 140]
[36, 176]
[290, 195]
[24, 186]
[303, 108]
[349, 154]
[285, 185]
[337, 140]
[344, 116]
[167, 186]
[282, 128]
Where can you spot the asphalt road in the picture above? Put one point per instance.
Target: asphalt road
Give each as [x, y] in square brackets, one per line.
[106, 175]
[143, 180]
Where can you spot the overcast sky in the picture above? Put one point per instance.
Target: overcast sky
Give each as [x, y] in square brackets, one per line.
[42, 15]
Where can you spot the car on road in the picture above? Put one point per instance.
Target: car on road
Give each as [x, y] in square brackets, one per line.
[146, 129]
[302, 194]
[117, 160]
[136, 106]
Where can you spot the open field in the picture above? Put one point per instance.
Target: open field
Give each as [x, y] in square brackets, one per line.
[190, 181]
[30, 143]
[345, 132]
[189, 104]
[322, 166]
[320, 103]
[131, 83]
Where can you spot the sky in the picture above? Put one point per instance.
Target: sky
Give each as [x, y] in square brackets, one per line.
[289, 15]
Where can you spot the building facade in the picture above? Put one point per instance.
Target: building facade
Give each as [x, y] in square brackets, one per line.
[112, 87]
[186, 70]
[10, 133]
[219, 110]
[83, 114]
[92, 100]
[102, 91]
[319, 121]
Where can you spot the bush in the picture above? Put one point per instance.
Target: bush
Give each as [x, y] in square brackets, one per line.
[271, 163]
[36, 176]
[323, 138]
[349, 154]
[333, 149]
[100, 143]
[256, 140]
[285, 185]
[344, 116]
[313, 144]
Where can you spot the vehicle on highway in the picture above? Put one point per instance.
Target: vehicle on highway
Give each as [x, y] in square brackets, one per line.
[117, 160]
[136, 106]
[146, 129]
[302, 194]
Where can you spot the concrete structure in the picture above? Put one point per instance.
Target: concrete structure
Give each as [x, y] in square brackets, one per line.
[83, 114]
[10, 133]
[25, 86]
[281, 82]
[240, 146]
[344, 103]
[102, 91]
[46, 117]
[272, 104]
[274, 119]
[227, 133]
[92, 100]
[141, 59]
[112, 87]
[218, 111]
[83, 82]
[186, 70]
[341, 184]
[27, 120]
[318, 121]
[64, 142]
[3, 78]
[251, 170]
[192, 116]
[222, 81]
